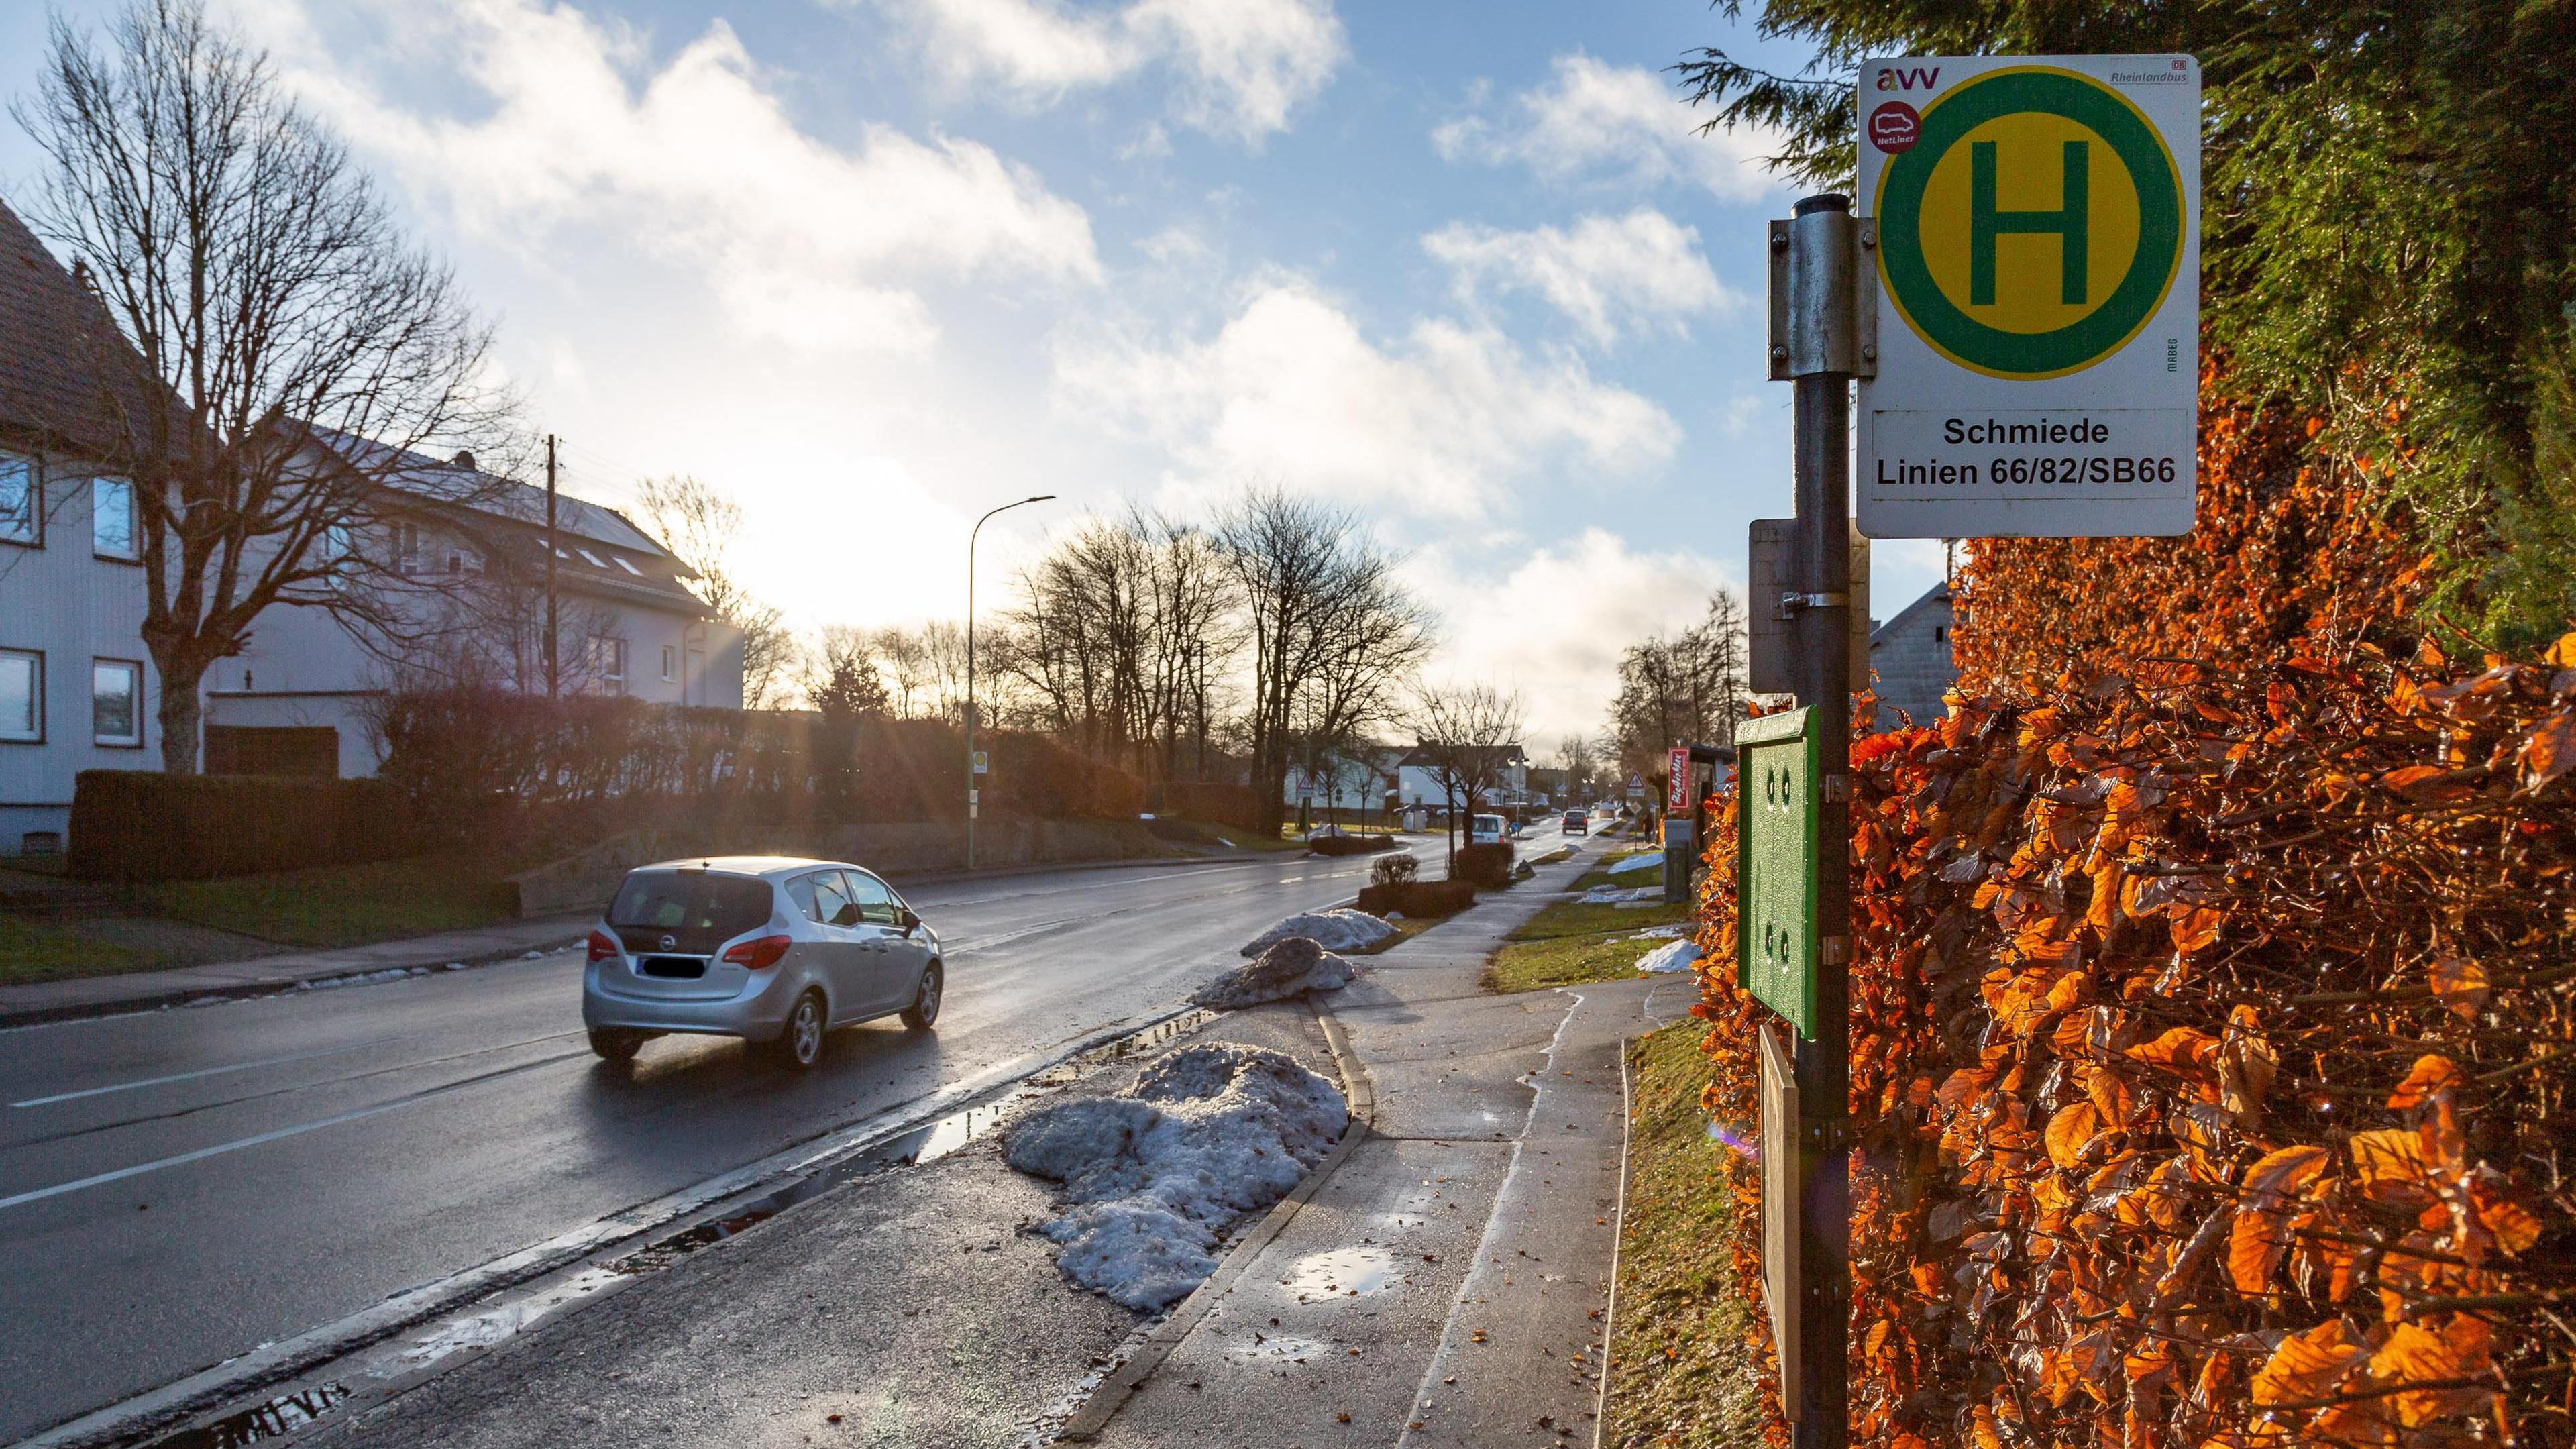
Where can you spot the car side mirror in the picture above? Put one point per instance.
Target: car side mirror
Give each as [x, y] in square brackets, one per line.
[848, 915]
[904, 917]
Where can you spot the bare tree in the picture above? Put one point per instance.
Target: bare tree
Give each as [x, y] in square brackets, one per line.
[905, 660]
[1332, 631]
[1576, 758]
[1687, 688]
[698, 525]
[1470, 737]
[281, 350]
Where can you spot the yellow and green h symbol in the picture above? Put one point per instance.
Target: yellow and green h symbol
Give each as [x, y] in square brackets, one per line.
[2068, 223]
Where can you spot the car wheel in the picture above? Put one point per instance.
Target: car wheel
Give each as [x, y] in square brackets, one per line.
[616, 1043]
[800, 1045]
[924, 1011]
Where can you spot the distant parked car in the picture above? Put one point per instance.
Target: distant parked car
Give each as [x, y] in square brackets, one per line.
[771, 949]
[1487, 830]
[1577, 823]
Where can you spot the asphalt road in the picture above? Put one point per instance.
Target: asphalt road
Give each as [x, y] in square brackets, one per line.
[178, 1187]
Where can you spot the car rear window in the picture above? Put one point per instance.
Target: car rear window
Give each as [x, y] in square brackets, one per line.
[697, 909]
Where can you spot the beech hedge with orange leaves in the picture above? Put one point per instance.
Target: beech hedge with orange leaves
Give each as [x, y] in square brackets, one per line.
[2212, 991]
[2208, 1060]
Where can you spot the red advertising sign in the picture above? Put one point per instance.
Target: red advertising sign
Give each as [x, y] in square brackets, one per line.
[1678, 793]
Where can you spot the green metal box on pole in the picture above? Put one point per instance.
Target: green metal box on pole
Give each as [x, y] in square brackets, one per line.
[1779, 770]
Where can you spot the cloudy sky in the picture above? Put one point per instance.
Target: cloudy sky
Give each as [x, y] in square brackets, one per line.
[875, 265]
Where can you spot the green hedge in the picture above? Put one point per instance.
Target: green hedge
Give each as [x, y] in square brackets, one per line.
[139, 825]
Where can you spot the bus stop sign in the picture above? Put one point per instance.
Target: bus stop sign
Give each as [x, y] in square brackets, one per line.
[1779, 775]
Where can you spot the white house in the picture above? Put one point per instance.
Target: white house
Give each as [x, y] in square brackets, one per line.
[77, 688]
[1351, 780]
[1419, 777]
[471, 578]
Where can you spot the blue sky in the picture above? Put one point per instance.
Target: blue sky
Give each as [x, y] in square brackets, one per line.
[874, 265]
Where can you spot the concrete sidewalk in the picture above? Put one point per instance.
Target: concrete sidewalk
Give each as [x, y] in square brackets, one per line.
[1468, 1239]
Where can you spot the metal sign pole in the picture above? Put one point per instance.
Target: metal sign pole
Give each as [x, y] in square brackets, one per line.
[1824, 353]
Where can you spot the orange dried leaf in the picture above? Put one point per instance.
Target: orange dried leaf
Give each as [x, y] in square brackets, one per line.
[2069, 1131]
[2433, 1073]
[2308, 1366]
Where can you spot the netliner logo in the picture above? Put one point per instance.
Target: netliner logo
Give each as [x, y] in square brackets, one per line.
[1894, 127]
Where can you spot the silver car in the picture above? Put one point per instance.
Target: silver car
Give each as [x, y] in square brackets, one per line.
[771, 949]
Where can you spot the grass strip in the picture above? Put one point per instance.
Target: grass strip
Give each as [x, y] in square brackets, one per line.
[1570, 943]
[1680, 1373]
[342, 905]
[31, 951]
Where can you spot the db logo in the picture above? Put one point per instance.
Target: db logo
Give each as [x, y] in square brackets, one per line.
[1894, 127]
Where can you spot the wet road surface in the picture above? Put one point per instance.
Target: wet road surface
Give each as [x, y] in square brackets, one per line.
[178, 1187]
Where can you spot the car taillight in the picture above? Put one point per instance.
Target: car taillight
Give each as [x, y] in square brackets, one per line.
[603, 946]
[756, 954]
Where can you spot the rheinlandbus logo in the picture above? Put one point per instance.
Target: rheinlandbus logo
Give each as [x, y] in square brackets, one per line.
[2033, 225]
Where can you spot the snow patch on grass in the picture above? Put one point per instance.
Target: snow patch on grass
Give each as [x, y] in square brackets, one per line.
[1672, 956]
[1153, 1175]
[1651, 860]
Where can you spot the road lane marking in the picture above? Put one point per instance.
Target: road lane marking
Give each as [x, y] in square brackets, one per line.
[193, 1076]
[220, 1148]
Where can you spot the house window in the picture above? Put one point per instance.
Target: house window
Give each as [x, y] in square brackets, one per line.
[116, 702]
[21, 502]
[112, 531]
[594, 558]
[669, 661]
[22, 696]
[1940, 633]
[621, 562]
[406, 547]
[608, 663]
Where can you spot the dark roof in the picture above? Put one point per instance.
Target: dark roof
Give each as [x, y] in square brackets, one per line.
[56, 342]
[596, 548]
[1937, 596]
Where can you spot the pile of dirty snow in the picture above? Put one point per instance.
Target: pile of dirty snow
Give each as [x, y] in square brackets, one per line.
[1291, 968]
[1651, 860]
[1339, 929]
[1672, 956]
[1616, 896]
[1153, 1175]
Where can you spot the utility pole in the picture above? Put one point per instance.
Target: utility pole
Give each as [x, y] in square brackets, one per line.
[1824, 354]
[974, 794]
[553, 673]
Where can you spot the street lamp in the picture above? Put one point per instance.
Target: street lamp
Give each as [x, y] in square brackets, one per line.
[971, 536]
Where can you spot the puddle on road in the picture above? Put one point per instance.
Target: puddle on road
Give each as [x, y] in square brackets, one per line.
[281, 1415]
[1341, 1273]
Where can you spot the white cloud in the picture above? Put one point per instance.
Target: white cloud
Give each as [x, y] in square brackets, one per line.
[804, 243]
[1441, 423]
[1635, 273]
[1593, 120]
[1239, 66]
[1553, 623]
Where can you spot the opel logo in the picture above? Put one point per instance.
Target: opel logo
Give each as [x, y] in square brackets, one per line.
[669, 941]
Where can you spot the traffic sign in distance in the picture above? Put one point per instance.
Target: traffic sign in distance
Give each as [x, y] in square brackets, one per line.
[2037, 261]
[1779, 768]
